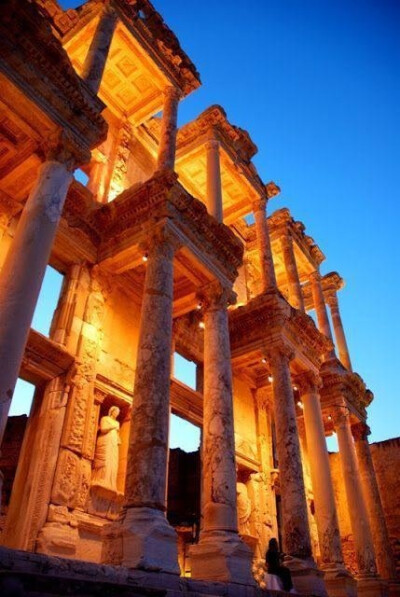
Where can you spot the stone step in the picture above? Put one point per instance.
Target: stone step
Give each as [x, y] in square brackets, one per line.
[25, 574]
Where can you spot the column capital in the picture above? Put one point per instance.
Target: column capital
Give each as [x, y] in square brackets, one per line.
[215, 296]
[259, 204]
[109, 8]
[212, 144]
[360, 431]
[279, 352]
[62, 147]
[161, 237]
[340, 415]
[315, 276]
[171, 92]
[331, 298]
[308, 382]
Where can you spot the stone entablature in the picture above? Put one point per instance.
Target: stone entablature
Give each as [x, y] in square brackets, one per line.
[282, 220]
[123, 227]
[341, 387]
[267, 321]
[58, 91]
[143, 22]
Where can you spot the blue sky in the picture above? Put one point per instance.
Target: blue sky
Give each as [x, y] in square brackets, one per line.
[316, 83]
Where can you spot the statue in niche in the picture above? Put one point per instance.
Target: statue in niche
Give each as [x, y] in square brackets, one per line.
[243, 508]
[106, 458]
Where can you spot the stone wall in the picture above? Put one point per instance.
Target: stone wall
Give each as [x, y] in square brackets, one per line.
[386, 459]
[10, 450]
[343, 512]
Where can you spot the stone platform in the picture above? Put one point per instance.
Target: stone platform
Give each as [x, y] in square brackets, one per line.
[25, 574]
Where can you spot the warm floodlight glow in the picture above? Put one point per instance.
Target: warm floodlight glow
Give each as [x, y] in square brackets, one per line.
[300, 404]
[201, 325]
[270, 378]
[264, 360]
[145, 257]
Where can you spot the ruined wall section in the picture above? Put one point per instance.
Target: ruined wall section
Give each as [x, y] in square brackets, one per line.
[342, 509]
[386, 459]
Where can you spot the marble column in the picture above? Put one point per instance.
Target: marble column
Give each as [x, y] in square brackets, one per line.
[364, 549]
[295, 292]
[148, 540]
[220, 553]
[24, 267]
[320, 308]
[96, 57]
[341, 343]
[268, 279]
[380, 535]
[167, 147]
[214, 190]
[325, 508]
[296, 533]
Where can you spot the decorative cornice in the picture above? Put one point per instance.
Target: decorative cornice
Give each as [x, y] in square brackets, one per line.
[145, 23]
[47, 77]
[339, 384]
[235, 141]
[281, 223]
[163, 197]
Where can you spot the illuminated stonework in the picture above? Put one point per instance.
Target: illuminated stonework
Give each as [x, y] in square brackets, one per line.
[158, 256]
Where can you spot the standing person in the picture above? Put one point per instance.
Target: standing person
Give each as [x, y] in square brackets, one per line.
[273, 559]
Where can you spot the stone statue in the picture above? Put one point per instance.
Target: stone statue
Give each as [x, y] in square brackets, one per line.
[106, 457]
[243, 508]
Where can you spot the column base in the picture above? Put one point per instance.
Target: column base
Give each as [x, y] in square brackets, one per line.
[372, 587]
[57, 539]
[148, 541]
[307, 578]
[339, 582]
[222, 557]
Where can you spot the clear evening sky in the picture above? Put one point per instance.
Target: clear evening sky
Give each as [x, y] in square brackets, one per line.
[316, 84]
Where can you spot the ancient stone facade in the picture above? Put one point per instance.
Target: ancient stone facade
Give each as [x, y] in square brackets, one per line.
[168, 248]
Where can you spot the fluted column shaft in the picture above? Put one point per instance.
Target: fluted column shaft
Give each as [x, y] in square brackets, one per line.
[149, 541]
[296, 533]
[355, 500]
[167, 148]
[214, 190]
[325, 508]
[295, 292]
[341, 342]
[268, 279]
[96, 57]
[22, 274]
[380, 535]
